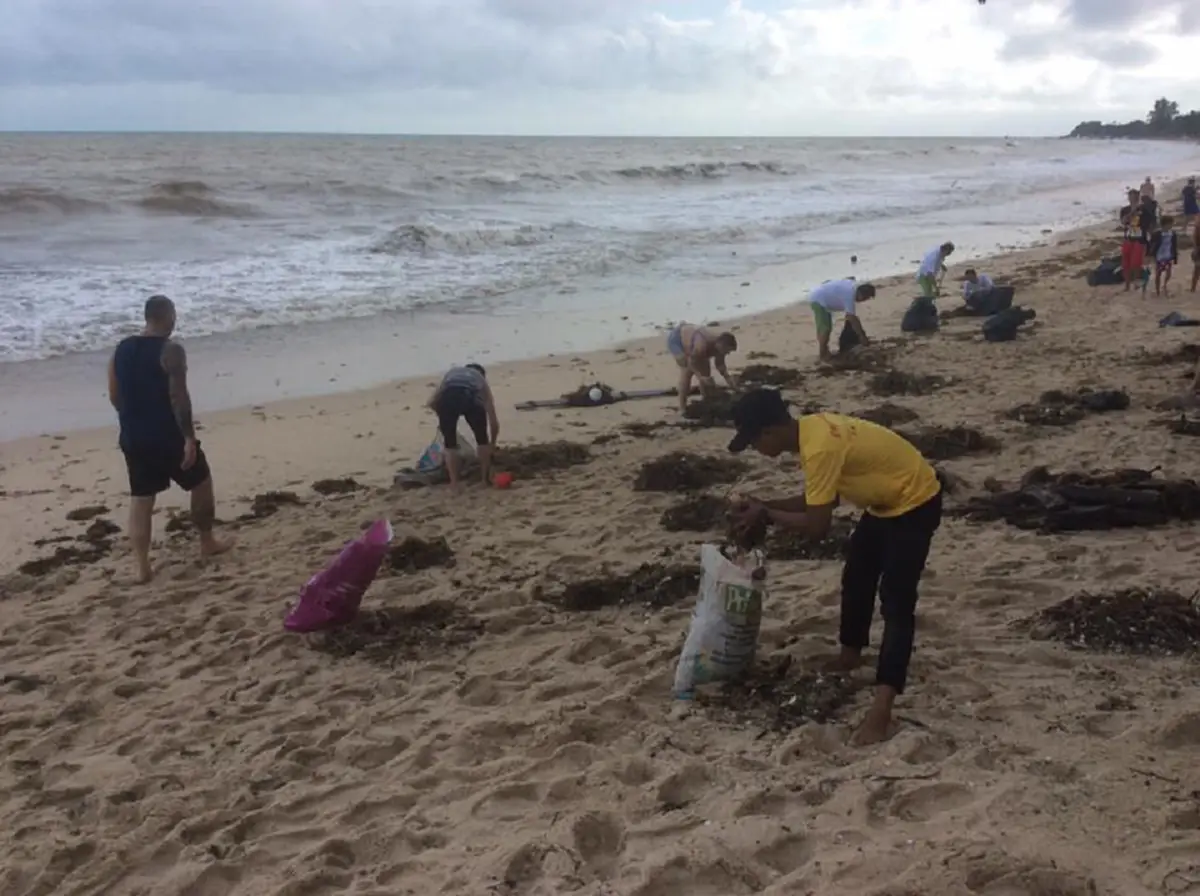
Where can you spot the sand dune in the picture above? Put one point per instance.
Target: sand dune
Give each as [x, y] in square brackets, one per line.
[173, 739]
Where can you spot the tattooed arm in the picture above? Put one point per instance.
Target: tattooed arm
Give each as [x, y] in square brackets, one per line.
[174, 361]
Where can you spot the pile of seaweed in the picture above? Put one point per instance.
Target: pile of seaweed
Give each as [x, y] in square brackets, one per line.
[698, 513]
[1188, 353]
[713, 410]
[869, 359]
[887, 414]
[1079, 502]
[268, 504]
[1182, 426]
[525, 461]
[774, 697]
[1057, 408]
[771, 375]
[651, 585]
[681, 471]
[897, 382]
[344, 486]
[414, 554]
[393, 634]
[787, 544]
[1132, 620]
[947, 443]
[582, 397]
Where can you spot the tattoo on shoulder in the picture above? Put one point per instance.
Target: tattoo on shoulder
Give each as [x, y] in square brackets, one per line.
[174, 361]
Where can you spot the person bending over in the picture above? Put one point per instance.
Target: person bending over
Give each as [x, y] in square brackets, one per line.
[975, 283]
[933, 266]
[147, 386]
[464, 393]
[843, 458]
[696, 352]
[838, 295]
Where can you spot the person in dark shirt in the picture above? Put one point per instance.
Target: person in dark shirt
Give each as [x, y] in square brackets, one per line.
[1134, 238]
[147, 385]
[1191, 205]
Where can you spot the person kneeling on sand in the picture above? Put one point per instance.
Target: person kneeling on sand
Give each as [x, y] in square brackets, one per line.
[838, 295]
[843, 458]
[975, 283]
[694, 350]
[147, 386]
[933, 266]
[464, 393]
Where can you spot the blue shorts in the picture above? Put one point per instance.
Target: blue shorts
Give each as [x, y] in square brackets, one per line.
[675, 342]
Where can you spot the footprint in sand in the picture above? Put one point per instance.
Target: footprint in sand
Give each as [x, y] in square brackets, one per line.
[599, 838]
[680, 875]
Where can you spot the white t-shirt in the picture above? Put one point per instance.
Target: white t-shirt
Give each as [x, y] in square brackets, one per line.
[931, 264]
[835, 295]
[982, 284]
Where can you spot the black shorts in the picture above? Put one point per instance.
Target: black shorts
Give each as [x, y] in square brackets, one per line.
[454, 403]
[152, 471]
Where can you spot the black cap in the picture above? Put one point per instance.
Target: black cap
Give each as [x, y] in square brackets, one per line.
[754, 412]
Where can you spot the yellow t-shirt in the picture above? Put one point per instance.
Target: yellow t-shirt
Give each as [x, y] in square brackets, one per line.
[863, 463]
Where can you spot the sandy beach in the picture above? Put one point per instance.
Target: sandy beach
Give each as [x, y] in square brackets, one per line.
[174, 739]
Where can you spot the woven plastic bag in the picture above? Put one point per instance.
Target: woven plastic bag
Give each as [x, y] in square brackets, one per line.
[332, 597]
[723, 638]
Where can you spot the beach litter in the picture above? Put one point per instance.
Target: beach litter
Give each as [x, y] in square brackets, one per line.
[330, 487]
[1130, 620]
[700, 513]
[394, 634]
[1078, 502]
[414, 554]
[773, 696]
[887, 414]
[525, 461]
[650, 585]
[897, 382]
[681, 471]
[590, 395]
[770, 375]
[947, 443]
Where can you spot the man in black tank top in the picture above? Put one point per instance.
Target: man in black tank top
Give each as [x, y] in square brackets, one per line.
[147, 385]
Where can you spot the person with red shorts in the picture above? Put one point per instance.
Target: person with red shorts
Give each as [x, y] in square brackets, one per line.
[1133, 240]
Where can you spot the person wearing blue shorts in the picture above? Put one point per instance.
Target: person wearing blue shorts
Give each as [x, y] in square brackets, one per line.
[696, 352]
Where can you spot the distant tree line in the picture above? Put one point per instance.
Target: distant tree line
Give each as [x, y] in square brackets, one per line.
[1163, 122]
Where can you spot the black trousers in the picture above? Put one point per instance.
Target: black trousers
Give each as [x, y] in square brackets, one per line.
[887, 556]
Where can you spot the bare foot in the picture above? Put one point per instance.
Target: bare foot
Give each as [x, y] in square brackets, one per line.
[211, 547]
[875, 728]
[143, 575]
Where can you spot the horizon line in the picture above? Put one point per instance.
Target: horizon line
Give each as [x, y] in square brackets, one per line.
[9, 132]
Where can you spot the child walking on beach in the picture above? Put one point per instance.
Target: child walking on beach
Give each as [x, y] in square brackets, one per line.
[1164, 247]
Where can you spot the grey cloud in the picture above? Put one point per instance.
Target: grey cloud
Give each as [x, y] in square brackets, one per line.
[1104, 15]
[1128, 53]
[1114, 52]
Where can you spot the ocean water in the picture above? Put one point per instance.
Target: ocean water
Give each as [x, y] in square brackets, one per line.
[249, 231]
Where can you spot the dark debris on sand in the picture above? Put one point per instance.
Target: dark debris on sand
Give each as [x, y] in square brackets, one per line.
[1132, 620]
[1188, 353]
[711, 410]
[1079, 502]
[414, 554]
[775, 697]
[393, 634]
[91, 547]
[681, 471]
[947, 443]
[787, 544]
[644, 430]
[700, 513]
[268, 504]
[1058, 408]
[651, 585]
[525, 461]
[83, 514]
[1182, 426]
[888, 414]
[897, 382]
[869, 359]
[771, 375]
[582, 397]
[344, 486]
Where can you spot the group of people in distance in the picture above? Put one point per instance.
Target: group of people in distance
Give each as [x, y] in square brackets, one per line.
[1149, 240]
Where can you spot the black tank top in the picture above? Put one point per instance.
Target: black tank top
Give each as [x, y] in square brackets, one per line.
[147, 420]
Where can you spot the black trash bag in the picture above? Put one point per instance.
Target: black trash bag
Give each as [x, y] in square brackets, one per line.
[921, 316]
[991, 301]
[849, 339]
[1003, 327]
[1107, 273]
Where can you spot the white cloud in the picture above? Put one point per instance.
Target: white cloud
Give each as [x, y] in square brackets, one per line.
[767, 66]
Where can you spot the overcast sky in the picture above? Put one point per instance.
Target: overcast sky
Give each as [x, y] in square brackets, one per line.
[805, 67]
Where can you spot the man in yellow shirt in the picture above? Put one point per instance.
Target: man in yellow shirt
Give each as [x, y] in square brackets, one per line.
[873, 468]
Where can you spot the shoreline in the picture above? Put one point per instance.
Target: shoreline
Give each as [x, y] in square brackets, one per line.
[255, 367]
